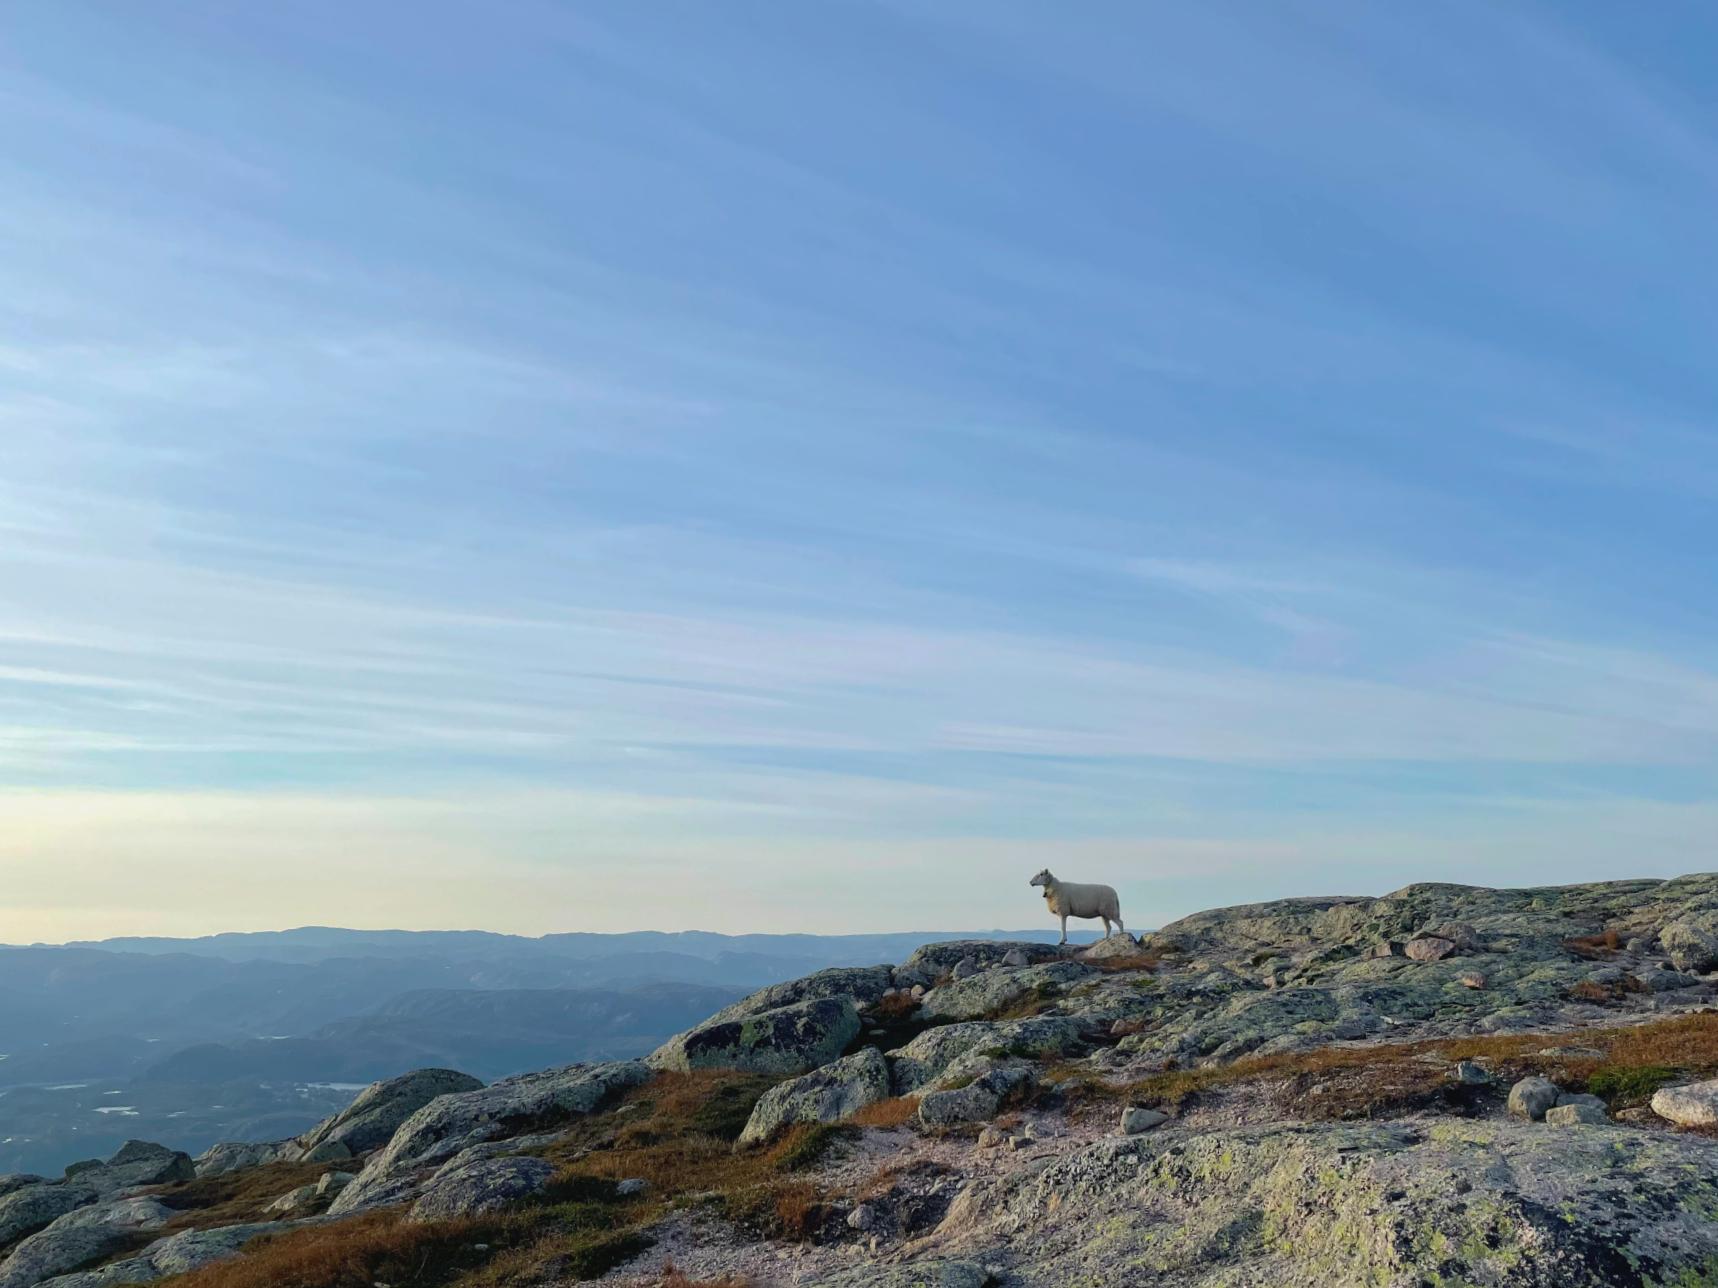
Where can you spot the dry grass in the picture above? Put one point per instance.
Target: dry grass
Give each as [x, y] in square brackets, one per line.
[1595, 947]
[892, 1112]
[1146, 959]
[378, 1247]
[1360, 1082]
[896, 1006]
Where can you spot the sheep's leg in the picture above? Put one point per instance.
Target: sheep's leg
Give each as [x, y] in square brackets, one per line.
[1064, 927]
[1106, 922]
[1119, 926]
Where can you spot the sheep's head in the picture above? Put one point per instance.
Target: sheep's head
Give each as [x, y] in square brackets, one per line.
[1042, 879]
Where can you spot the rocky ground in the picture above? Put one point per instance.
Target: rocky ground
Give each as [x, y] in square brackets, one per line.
[1442, 1086]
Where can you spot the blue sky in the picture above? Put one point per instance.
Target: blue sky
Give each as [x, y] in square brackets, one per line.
[777, 466]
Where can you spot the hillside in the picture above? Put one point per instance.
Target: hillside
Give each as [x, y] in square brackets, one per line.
[1444, 1085]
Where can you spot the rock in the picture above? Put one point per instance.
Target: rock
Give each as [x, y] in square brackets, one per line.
[297, 1200]
[1453, 1201]
[825, 1095]
[862, 1217]
[1117, 944]
[631, 1186]
[82, 1236]
[1472, 979]
[1429, 948]
[931, 962]
[138, 1163]
[326, 1151]
[1575, 1115]
[334, 1182]
[1387, 948]
[28, 1208]
[1692, 942]
[1459, 933]
[992, 1138]
[862, 985]
[1579, 1098]
[790, 1039]
[1014, 957]
[505, 1109]
[177, 1254]
[978, 1100]
[1693, 1105]
[1658, 980]
[370, 1120]
[918, 991]
[965, 968]
[1531, 1097]
[477, 1187]
[983, 994]
[1135, 1119]
[231, 1155]
[931, 1054]
[11, 1182]
[1470, 1074]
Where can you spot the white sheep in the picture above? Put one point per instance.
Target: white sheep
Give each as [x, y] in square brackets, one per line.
[1066, 899]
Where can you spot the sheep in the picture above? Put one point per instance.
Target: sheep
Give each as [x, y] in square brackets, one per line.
[1065, 899]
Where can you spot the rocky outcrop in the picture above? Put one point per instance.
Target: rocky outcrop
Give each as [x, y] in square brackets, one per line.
[787, 1039]
[1692, 942]
[234, 1155]
[177, 1254]
[138, 1163]
[936, 1052]
[74, 1240]
[989, 991]
[508, 1108]
[975, 1101]
[930, 964]
[861, 985]
[30, 1207]
[370, 1120]
[1348, 1204]
[830, 1094]
[474, 1186]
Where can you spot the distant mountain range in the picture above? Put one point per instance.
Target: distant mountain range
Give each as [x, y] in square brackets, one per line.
[229, 1035]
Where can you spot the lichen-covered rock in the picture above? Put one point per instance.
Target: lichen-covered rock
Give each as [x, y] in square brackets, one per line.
[231, 1155]
[830, 1094]
[138, 1163]
[477, 1186]
[370, 1120]
[1428, 948]
[861, 985]
[1658, 980]
[1117, 943]
[1575, 1115]
[1136, 1118]
[177, 1254]
[1692, 942]
[789, 1039]
[987, 992]
[929, 964]
[978, 1100]
[502, 1110]
[31, 1207]
[80, 1237]
[1692, 1105]
[1396, 1204]
[1531, 1097]
[928, 1056]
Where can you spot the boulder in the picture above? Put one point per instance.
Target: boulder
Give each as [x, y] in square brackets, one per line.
[790, 1039]
[1446, 1201]
[31, 1207]
[13, 1181]
[82, 1236]
[631, 1187]
[930, 1055]
[1531, 1097]
[369, 1121]
[1692, 1105]
[931, 962]
[978, 1100]
[476, 1187]
[1658, 980]
[1429, 948]
[177, 1254]
[231, 1155]
[983, 994]
[1692, 942]
[296, 1200]
[1575, 1115]
[138, 1163]
[1459, 933]
[1470, 1074]
[825, 1095]
[1014, 957]
[1117, 944]
[1472, 979]
[505, 1109]
[1135, 1119]
[862, 985]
